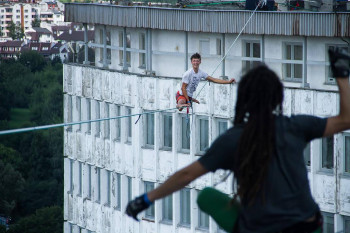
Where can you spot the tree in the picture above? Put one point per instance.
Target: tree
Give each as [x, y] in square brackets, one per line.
[11, 186]
[16, 32]
[33, 60]
[48, 219]
[36, 22]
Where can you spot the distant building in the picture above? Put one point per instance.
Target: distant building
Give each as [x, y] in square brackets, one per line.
[140, 56]
[10, 49]
[40, 35]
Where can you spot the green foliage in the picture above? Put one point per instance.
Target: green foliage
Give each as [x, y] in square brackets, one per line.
[36, 22]
[48, 219]
[16, 32]
[2, 229]
[33, 95]
[33, 60]
[11, 186]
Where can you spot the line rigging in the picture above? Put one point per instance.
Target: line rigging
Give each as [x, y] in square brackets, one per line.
[36, 128]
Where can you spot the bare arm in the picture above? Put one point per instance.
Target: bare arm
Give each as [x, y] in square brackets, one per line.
[184, 91]
[177, 181]
[341, 122]
[220, 81]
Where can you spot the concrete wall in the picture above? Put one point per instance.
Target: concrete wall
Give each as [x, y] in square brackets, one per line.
[101, 149]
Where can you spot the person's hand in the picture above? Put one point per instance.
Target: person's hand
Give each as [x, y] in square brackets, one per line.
[196, 101]
[232, 80]
[340, 62]
[137, 205]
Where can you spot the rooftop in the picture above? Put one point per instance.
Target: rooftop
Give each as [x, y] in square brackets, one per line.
[291, 23]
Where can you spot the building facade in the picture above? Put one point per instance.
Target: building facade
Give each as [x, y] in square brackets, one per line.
[140, 56]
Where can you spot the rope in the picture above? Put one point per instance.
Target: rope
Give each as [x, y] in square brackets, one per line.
[223, 58]
[35, 128]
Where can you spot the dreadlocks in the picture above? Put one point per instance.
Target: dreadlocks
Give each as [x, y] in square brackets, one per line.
[260, 92]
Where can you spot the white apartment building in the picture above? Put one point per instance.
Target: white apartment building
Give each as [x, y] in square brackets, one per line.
[140, 56]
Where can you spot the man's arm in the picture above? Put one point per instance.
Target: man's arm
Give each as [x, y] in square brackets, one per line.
[340, 68]
[341, 122]
[177, 181]
[184, 91]
[220, 81]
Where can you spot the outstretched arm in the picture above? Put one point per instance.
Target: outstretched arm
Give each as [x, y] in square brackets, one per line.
[340, 68]
[220, 81]
[175, 182]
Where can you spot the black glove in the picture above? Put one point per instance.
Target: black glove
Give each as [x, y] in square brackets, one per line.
[137, 205]
[340, 62]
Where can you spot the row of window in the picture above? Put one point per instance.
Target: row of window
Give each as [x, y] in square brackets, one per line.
[148, 125]
[293, 54]
[113, 191]
[327, 154]
[108, 191]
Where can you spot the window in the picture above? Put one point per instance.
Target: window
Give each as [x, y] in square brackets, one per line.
[185, 206]
[129, 184]
[98, 116]
[346, 224]
[167, 208]
[203, 220]
[329, 76]
[128, 45]
[149, 129]
[222, 126]
[142, 55]
[328, 222]
[204, 46]
[149, 213]
[78, 106]
[80, 191]
[185, 133]
[203, 134]
[218, 47]
[117, 190]
[106, 122]
[347, 154]
[35, 48]
[117, 124]
[70, 112]
[108, 42]
[89, 181]
[98, 184]
[88, 114]
[71, 172]
[327, 153]
[307, 153]
[128, 125]
[108, 186]
[293, 67]
[252, 53]
[167, 131]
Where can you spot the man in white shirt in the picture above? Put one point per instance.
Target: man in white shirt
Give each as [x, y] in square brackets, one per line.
[190, 81]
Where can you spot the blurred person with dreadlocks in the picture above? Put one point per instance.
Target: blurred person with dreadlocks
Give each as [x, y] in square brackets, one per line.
[264, 149]
[190, 81]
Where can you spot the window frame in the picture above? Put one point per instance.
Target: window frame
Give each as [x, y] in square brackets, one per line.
[88, 115]
[80, 179]
[346, 221]
[346, 170]
[218, 121]
[327, 215]
[150, 212]
[148, 141]
[117, 123]
[98, 130]
[322, 168]
[98, 185]
[167, 215]
[117, 190]
[107, 125]
[79, 115]
[121, 51]
[165, 131]
[142, 50]
[307, 149]
[292, 62]
[201, 151]
[250, 59]
[183, 135]
[69, 113]
[184, 207]
[128, 124]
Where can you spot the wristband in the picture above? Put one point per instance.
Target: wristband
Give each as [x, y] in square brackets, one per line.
[145, 198]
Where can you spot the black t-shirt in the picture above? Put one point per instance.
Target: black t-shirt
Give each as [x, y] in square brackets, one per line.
[288, 197]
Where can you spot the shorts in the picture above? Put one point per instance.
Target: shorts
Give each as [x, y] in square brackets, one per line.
[179, 97]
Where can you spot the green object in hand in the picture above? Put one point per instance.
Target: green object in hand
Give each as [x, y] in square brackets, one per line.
[222, 208]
